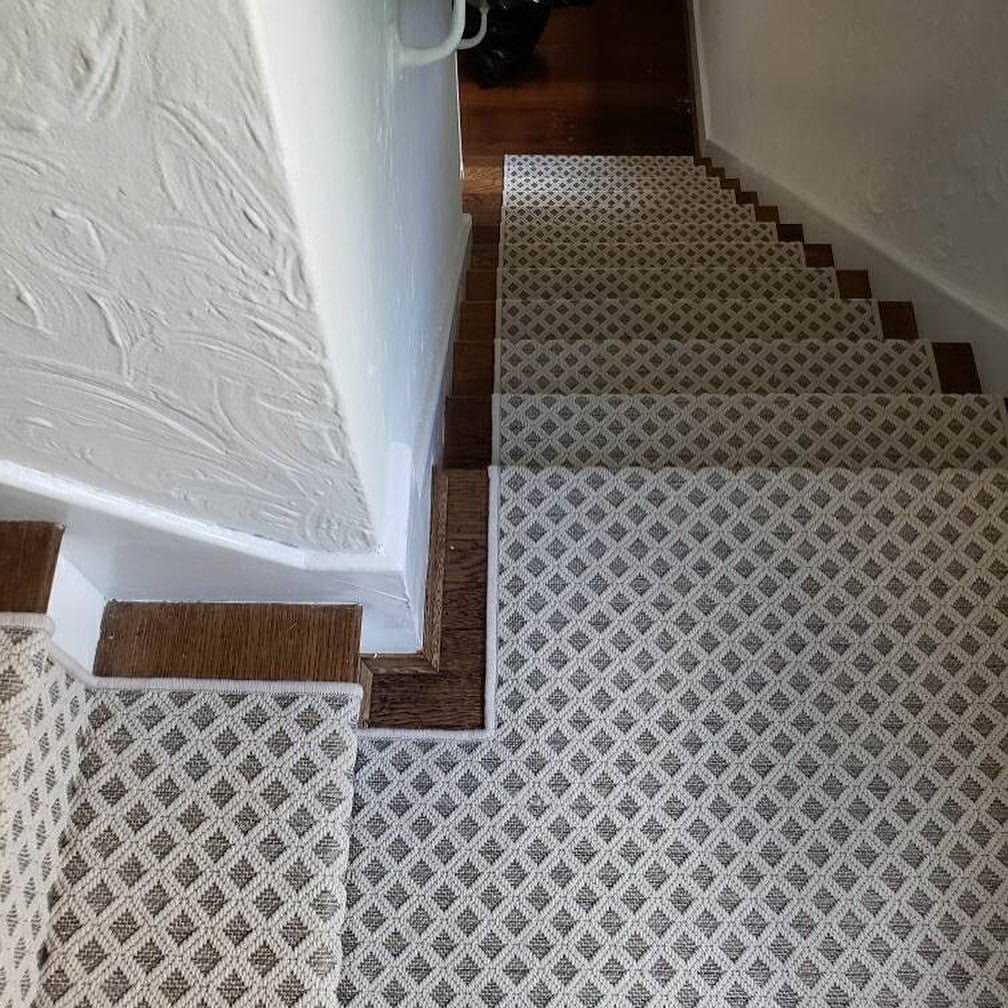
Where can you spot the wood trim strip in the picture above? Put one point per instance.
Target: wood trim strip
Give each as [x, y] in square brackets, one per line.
[899, 321]
[267, 642]
[28, 555]
[854, 285]
[956, 367]
[409, 691]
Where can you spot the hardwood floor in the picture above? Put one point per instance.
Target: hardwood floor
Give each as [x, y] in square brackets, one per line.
[28, 553]
[607, 79]
[269, 642]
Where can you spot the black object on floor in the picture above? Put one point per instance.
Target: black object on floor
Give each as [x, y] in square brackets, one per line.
[514, 27]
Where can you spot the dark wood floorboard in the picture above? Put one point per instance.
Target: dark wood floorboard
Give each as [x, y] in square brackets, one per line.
[854, 284]
[270, 642]
[607, 79]
[957, 370]
[899, 321]
[28, 554]
[408, 692]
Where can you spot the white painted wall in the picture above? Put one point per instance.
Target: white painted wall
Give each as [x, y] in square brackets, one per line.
[885, 127]
[159, 339]
[230, 247]
[372, 158]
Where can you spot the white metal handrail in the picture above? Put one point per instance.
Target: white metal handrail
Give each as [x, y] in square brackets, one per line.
[471, 43]
[412, 56]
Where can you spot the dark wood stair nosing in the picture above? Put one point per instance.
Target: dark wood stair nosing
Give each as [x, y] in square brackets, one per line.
[29, 552]
[957, 370]
[255, 641]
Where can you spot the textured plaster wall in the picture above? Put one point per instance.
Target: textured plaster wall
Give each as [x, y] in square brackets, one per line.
[158, 338]
[891, 116]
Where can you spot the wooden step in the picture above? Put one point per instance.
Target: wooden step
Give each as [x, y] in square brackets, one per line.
[957, 369]
[230, 641]
[28, 554]
[468, 432]
[442, 687]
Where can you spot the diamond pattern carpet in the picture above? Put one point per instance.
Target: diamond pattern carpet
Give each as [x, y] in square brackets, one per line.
[751, 745]
[738, 283]
[663, 367]
[202, 840]
[681, 255]
[634, 318]
[751, 748]
[41, 712]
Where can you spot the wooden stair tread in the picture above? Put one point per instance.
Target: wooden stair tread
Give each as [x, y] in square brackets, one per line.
[442, 687]
[28, 554]
[230, 641]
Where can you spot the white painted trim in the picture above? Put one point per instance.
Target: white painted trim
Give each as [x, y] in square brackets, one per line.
[493, 605]
[944, 313]
[76, 607]
[74, 494]
[441, 375]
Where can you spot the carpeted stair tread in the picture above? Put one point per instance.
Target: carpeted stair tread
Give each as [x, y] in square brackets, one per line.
[738, 431]
[41, 713]
[608, 169]
[169, 845]
[710, 318]
[662, 367]
[668, 284]
[695, 211]
[667, 255]
[750, 750]
[217, 827]
[679, 201]
[523, 227]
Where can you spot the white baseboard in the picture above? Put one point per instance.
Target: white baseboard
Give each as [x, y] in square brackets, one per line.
[942, 313]
[118, 548]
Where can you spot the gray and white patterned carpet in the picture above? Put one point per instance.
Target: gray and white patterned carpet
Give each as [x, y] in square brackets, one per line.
[179, 847]
[751, 686]
[752, 698]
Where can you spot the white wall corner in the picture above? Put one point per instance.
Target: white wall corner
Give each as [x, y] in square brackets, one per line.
[116, 547]
[943, 313]
[912, 186]
[698, 74]
[76, 607]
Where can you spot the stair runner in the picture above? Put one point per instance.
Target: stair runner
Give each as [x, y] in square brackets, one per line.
[172, 844]
[749, 685]
[751, 742]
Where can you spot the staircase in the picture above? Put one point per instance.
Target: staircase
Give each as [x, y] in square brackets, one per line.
[749, 673]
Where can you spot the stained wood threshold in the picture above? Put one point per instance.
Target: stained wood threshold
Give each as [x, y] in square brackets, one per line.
[28, 554]
[230, 641]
